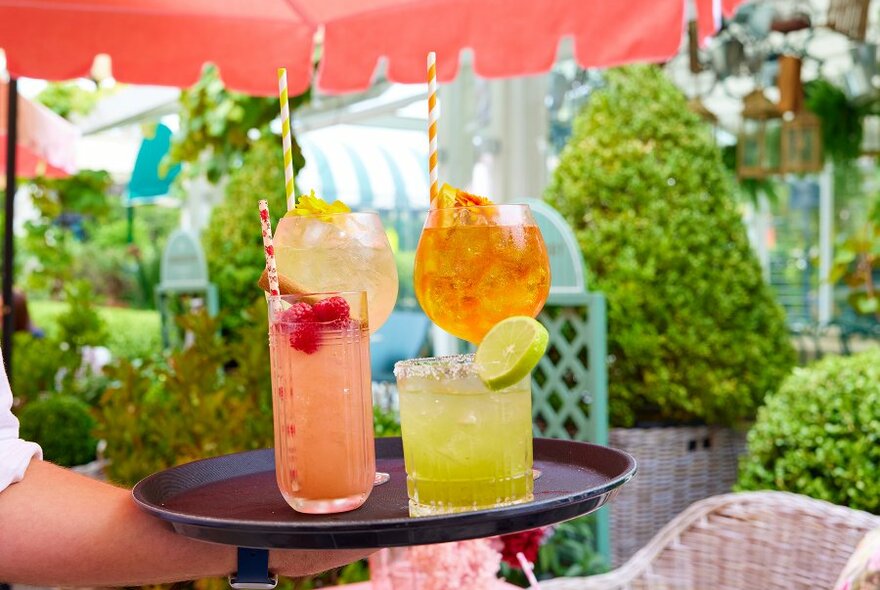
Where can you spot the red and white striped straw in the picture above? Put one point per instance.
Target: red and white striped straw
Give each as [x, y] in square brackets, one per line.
[269, 249]
[432, 126]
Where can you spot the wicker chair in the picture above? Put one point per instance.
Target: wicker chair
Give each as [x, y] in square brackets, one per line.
[766, 540]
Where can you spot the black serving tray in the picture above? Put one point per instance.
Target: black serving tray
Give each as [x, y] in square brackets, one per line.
[233, 499]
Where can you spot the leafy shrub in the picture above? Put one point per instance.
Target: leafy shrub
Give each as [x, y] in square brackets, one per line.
[232, 240]
[54, 363]
[569, 551]
[62, 425]
[63, 207]
[819, 435]
[81, 325]
[37, 362]
[81, 233]
[161, 412]
[122, 260]
[841, 118]
[693, 331]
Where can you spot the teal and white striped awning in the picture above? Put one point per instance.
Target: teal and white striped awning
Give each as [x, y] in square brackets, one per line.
[367, 168]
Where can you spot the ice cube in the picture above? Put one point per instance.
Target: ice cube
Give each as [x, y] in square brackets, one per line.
[317, 233]
[284, 233]
[366, 233]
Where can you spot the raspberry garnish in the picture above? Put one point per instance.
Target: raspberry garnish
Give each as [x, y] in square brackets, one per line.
[298, 312]
[335, 309]
[305, 337]
[299, 321]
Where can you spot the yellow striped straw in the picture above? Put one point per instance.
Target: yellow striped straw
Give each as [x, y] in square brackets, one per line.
[432, 126]
[285, 139]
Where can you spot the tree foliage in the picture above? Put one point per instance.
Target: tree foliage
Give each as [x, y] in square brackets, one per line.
[63, 206]
[694, 332]
[233, 242]
[217, 126]
[841, 120]
[857, 264]
[71, 99]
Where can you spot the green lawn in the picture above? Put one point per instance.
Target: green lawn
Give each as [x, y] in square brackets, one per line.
[133, 332]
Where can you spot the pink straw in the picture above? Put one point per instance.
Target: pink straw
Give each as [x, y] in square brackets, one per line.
[272, 270]
[527, 570]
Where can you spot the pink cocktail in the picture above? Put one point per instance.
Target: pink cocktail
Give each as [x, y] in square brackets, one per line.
[322, 401]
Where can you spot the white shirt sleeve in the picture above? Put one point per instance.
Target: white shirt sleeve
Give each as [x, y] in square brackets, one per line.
[15, 454]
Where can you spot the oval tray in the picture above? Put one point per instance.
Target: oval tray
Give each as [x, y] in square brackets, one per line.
[233, 499]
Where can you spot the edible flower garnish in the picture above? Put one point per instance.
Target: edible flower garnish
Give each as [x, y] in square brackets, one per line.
[316, 206]
[449, 196]
[464, 199]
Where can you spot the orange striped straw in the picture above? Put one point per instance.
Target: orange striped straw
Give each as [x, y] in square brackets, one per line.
[432, 127]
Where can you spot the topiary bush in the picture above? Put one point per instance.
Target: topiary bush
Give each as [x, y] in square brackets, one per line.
[819, 435]
[694, 333]
[62, 425]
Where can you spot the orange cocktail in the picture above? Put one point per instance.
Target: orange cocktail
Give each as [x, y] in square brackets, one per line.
[476, 266]
[322, 400]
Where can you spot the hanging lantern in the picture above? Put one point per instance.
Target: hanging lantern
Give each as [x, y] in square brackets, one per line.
[801, 143]
[759, 137]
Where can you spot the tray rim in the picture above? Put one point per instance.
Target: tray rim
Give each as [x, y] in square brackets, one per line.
[185, 523]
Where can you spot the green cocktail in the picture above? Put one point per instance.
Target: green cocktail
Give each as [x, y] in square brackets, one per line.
[465, 447]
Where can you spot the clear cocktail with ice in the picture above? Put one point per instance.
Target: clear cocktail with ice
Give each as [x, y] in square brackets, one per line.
[339, 252]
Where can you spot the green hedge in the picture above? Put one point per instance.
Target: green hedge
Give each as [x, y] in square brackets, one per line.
[820, 434]
[132, 333]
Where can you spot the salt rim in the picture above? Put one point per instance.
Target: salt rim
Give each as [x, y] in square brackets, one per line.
[458, 366]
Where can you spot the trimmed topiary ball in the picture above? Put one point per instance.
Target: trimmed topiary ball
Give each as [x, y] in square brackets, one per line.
[820, 434]
[62, 425]
[694, 333]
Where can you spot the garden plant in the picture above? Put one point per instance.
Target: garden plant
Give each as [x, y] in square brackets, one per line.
[62, 425]
[694, 333]
[819, 435]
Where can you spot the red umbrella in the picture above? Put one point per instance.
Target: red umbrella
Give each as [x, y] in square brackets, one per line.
[166, 42]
